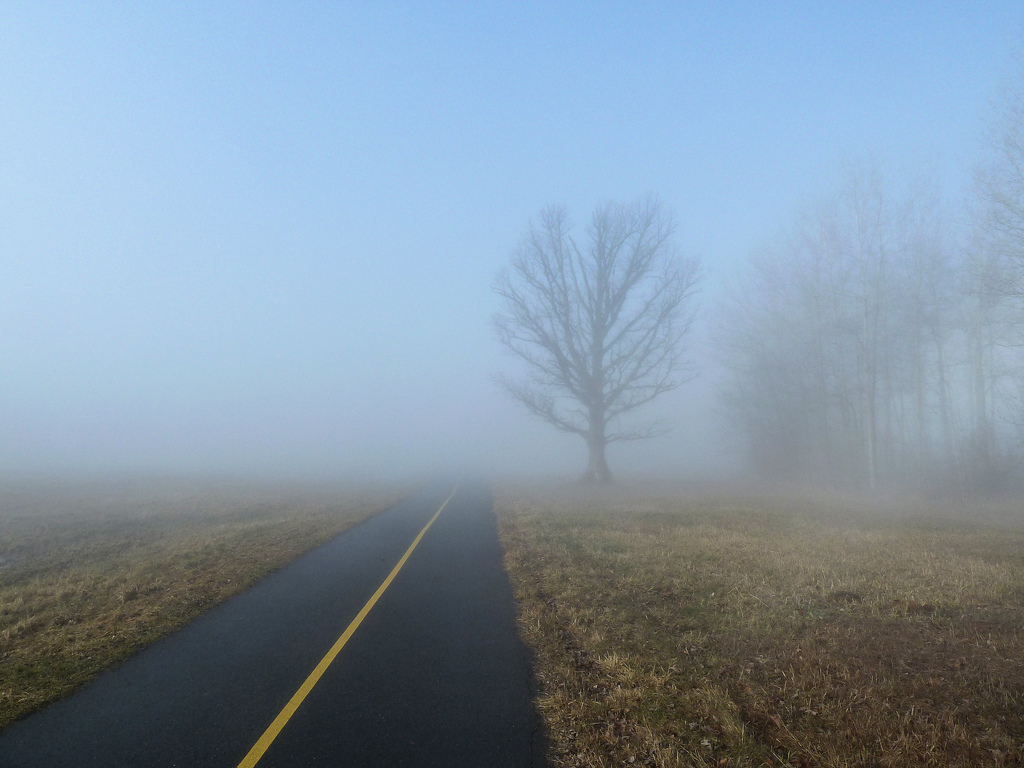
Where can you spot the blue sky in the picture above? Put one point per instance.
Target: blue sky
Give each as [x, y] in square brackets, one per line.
[261, 237]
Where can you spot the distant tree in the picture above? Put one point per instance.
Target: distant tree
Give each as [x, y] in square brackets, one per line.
[995, 289]
[599, 326]
[1001, 186]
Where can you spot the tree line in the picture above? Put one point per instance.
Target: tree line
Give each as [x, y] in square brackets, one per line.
[877, 344]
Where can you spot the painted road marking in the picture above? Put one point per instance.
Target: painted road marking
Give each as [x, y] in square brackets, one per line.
[271, 733]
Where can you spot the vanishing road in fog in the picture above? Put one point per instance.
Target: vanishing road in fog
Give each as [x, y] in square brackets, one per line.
[435, 674]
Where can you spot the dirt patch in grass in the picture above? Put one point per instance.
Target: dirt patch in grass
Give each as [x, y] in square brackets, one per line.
[90, 573]
[676, 630]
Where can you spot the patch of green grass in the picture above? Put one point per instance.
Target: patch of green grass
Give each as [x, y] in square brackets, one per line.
[90, 574]
[676, 630]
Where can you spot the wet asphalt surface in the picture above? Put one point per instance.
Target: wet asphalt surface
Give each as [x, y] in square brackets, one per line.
[434, 676]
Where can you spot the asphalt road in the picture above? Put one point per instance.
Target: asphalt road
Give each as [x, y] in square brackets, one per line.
[435, 675]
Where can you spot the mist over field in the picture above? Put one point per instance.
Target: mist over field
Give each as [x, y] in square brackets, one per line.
[263, 239]
[683, 342]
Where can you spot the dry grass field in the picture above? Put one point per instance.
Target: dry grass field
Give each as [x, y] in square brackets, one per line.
[91, 573]
[678, 628]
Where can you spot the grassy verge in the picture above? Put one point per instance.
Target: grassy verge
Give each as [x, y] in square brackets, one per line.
[704, 631]
[89, 574]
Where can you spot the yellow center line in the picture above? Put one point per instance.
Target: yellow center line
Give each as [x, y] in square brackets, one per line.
[271, 733]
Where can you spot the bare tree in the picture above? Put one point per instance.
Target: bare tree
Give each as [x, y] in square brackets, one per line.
[600, 327]
[1001, 184]
[995, 285]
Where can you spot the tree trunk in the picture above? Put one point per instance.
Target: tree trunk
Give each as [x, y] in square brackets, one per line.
[870, 394]
[982, 426]
[597, 466]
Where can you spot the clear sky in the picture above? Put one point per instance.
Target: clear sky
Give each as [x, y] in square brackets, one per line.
[261, 236]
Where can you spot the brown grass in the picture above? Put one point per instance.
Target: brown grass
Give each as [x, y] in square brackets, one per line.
[681, 630]
[89, 574]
